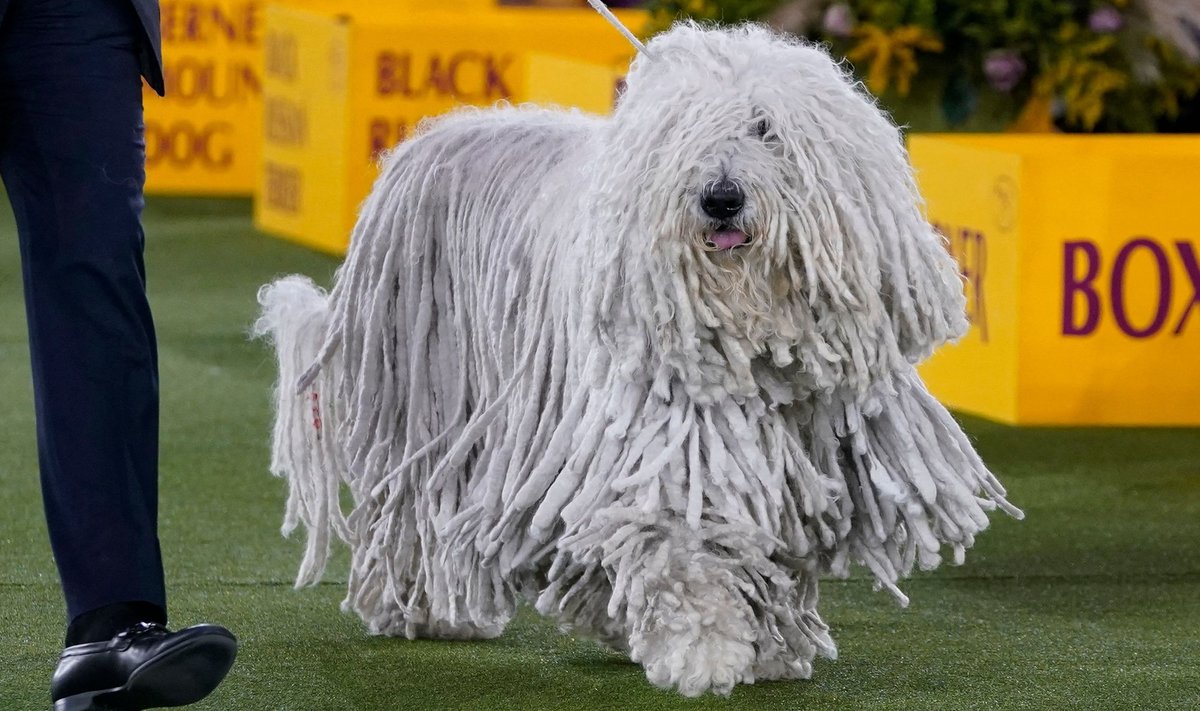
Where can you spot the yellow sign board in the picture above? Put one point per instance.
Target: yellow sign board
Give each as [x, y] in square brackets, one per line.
[302, 187]
[203, 137]
[367, 80]
[1082, 261]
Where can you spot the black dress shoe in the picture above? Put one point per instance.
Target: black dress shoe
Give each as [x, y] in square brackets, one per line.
[144, 667]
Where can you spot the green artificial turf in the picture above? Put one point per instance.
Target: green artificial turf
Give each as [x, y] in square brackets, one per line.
[1093, 602]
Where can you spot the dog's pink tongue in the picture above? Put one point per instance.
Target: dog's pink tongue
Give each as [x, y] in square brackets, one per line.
[728, 239]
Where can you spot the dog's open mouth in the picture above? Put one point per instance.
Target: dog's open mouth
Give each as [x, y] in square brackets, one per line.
[726, 238]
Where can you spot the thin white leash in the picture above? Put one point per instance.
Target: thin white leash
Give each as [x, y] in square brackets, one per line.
[601, 8]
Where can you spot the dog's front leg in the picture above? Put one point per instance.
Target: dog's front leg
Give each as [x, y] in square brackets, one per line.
[690, 623]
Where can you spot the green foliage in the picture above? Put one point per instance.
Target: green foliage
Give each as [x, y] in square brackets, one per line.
[1079, 65]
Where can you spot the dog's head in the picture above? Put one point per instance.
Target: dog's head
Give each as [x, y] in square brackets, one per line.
[772, 208]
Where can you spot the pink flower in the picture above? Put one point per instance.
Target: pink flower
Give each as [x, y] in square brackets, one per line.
[838, 20]
[1004, 69]
[1105, 19]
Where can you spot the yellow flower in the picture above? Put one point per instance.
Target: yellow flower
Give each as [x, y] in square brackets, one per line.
[1178, 78]
[1086, 88]
[892, 55]
[1084, 83]
[1037, 116]
[1080, 76]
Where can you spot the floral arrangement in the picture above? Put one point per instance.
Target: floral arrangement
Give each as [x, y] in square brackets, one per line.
[1033, 65]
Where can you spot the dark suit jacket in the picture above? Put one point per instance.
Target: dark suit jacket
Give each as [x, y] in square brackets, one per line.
[151, 54]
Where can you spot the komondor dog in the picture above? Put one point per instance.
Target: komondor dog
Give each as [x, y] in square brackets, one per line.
[653, 372]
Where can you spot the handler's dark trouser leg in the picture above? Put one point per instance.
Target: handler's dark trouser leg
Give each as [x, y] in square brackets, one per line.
[72, 159]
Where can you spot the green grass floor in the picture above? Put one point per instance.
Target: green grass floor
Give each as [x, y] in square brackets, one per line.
[1093, 602]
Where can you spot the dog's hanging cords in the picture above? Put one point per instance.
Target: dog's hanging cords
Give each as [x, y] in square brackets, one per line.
[601, 8]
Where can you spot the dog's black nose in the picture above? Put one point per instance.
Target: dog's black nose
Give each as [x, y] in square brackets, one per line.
[722, 200]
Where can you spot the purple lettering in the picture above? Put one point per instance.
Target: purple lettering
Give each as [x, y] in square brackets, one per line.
[385, 73]
[379, 133]
[1074, 284]
[1118, 288]
[456, 89]
[495, 86]
[281, 56]
[449, 76]
[973, 264]
[1187, 254]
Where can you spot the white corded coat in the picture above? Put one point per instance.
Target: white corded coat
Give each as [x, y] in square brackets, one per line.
[539, 381]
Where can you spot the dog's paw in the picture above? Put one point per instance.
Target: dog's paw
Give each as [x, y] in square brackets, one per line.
[695, 638]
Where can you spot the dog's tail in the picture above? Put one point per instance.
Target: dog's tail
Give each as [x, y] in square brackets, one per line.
[294, 319]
